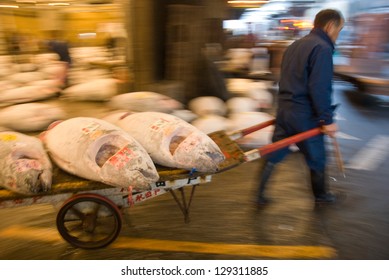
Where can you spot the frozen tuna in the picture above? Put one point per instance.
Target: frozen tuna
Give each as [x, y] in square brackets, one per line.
[30, 116]
[145, 101]
[207, 105]
[26, 77]
[99, 151]
[211, 123]
[81, 75]
[186, 115]
[94, 90]
[241, 104]
[172, 142]
[258, 138]
[238, 86]
[26, 94]
[239, 58]
[256, 90]
[259, 91]
[24, 165]
[53, 83]
[43, 58]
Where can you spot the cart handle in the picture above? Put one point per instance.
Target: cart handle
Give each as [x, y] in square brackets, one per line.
[234, 135]
[267, 149]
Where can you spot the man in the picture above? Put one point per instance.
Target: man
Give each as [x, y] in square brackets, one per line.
[61, 48]
[304, 101]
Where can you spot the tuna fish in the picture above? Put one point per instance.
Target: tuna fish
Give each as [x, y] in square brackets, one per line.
[207, 105]
[99, 151]
[145, 101]
[30, 116]
[26, 94]
[258, 138]
[24, 165]
[186, 115]
[172, 142]
[26, 77]
[257, 90]
[43, 58]
[94, 90]
[241, 104]
[211, 123]
[56, 83]
[239, 58]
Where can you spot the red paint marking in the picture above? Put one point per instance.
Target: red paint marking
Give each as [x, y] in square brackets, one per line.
[139, 197]
[147, 195]
[157, 191]
[120, 159]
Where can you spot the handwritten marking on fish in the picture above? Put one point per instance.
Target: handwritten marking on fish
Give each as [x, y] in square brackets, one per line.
[97, 150]
[170, 141]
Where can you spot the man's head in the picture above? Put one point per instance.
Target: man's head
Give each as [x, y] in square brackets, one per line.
[330, 21]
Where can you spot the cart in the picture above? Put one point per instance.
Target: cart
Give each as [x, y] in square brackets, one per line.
[90, 213]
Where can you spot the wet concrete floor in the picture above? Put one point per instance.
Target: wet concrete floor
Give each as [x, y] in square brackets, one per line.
[224, 224]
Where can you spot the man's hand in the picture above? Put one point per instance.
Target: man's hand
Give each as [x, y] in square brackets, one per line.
[330, 129]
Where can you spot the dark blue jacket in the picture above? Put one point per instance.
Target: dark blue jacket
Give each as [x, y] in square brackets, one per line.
[305, 89]
[62, 49]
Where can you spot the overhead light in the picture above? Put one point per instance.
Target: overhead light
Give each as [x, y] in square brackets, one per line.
[9, 6]
[246, 4]
[247, 1]
[58, 4]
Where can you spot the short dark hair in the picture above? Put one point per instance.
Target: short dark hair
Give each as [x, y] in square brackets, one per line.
[327, 15]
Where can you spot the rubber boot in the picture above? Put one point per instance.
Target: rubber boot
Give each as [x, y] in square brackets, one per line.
[320, 189]
[267, 170]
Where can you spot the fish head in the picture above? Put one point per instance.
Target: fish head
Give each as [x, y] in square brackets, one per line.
[121, 162]
[197, 151]
[29, 176]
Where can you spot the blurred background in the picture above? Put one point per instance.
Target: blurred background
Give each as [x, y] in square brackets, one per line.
[214, 63]
[151, 44]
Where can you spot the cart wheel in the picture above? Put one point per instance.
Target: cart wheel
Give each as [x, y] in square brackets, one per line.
[89, 221]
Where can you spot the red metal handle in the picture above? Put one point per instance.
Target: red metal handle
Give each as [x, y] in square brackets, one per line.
[288, 141]
[256, 127]
[243, 132]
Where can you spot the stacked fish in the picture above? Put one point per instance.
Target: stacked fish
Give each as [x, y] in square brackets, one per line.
[122, 149]
[42, 78]
[30, 117]
[115, 154]
[237, 113]
[28, 81]
[239, 58]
